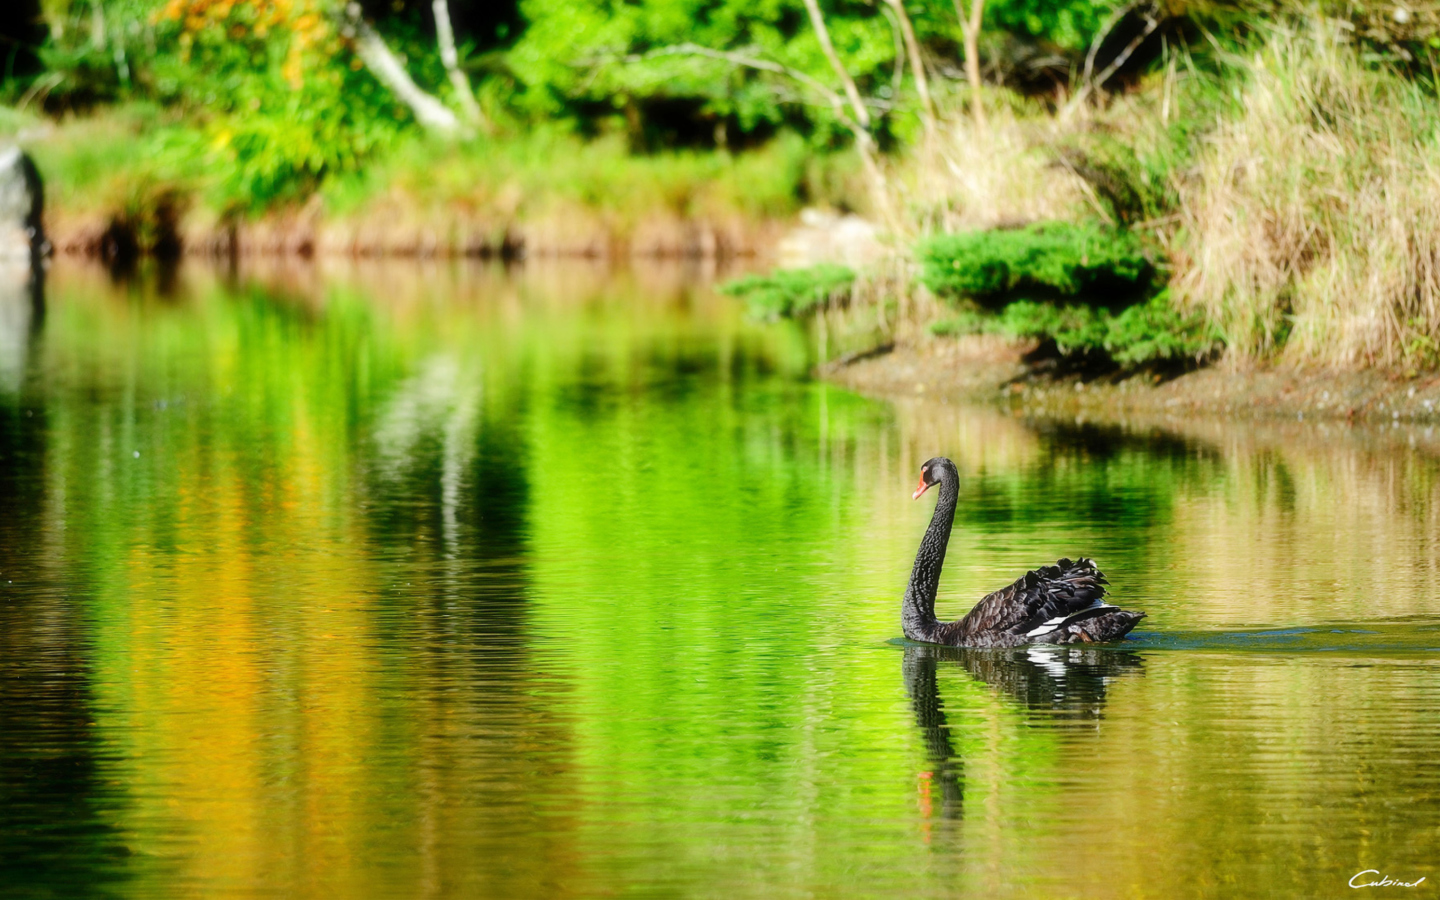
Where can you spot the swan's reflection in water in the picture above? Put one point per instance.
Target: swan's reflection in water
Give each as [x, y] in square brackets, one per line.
[1062, 683]
[1066, 682]
[947, 769]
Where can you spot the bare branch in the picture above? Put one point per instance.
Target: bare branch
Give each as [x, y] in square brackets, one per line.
[1100, 35]
[970, 28]
[1151, 23]
[864, 143]
[823, 34]
[837, 102]
[386, 68]
[97, 25]
[1089, 87]
[899, 72]
[912, 49]
[859, 124]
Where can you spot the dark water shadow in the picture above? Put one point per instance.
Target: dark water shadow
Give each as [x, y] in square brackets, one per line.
[1419, 635]
[57, 798]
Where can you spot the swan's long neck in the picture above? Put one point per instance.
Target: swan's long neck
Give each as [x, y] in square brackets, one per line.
[917, 612]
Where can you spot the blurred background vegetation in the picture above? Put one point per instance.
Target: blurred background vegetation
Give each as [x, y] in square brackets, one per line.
[1272, 161]
[258, 104]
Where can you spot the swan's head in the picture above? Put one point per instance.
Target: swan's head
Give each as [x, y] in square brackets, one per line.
[932, 473]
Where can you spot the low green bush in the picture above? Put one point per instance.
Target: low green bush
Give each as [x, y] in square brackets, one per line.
[1149, 333]
[791, 293]
[1155, 331]
[967, 321]
[1054, 257]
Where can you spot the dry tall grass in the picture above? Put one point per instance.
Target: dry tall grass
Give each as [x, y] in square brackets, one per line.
[1004, 173]
[1311, 230]
[1305, 180]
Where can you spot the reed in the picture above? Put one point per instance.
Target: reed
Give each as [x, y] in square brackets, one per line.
[1310, 229]
[1002, 174]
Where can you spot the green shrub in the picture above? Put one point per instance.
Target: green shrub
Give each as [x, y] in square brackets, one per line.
[968, 321]
[252, 105]
[1075, 329]
[1145, 334]
[1054, 257]
[1155, 331]
[789, 293]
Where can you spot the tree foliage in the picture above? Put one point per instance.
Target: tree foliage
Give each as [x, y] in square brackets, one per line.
[589, 62]
[261, 92]
[271, 94]
[598, 57]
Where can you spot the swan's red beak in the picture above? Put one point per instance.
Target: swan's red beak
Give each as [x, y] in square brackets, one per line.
[921, 489]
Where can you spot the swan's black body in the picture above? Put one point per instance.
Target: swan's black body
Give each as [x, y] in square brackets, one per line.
[1059, 604]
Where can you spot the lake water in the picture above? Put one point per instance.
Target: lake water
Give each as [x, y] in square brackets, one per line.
[442, 581]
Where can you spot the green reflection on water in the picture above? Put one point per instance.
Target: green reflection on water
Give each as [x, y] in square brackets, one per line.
[397, 580]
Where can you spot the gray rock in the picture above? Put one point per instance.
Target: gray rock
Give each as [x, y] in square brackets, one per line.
[22, 205]
[826, 237]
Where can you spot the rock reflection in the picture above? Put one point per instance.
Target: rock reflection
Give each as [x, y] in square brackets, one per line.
[22, 309]
[54, 768]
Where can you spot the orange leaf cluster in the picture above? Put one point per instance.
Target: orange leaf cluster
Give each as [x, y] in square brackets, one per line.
[302, 18]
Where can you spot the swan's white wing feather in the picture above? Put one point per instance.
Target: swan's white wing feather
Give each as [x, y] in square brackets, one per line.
[1059, 621]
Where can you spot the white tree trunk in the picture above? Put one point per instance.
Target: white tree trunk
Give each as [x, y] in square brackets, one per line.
[376, 56]
[445, 36]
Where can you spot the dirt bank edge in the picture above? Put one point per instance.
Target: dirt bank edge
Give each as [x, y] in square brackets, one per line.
[989, 369]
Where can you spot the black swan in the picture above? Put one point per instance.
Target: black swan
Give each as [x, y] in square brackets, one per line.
[1059, 604]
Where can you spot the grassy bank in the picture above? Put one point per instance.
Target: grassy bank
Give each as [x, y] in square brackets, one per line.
[1256, 188]
[132, 173]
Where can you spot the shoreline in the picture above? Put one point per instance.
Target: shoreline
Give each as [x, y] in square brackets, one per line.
[408, 235]
[987, 369]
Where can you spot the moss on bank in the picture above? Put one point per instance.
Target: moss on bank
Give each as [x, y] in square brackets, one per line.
[982, 368]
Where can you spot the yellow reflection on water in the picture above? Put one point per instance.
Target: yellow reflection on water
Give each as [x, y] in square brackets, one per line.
[448, 581]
